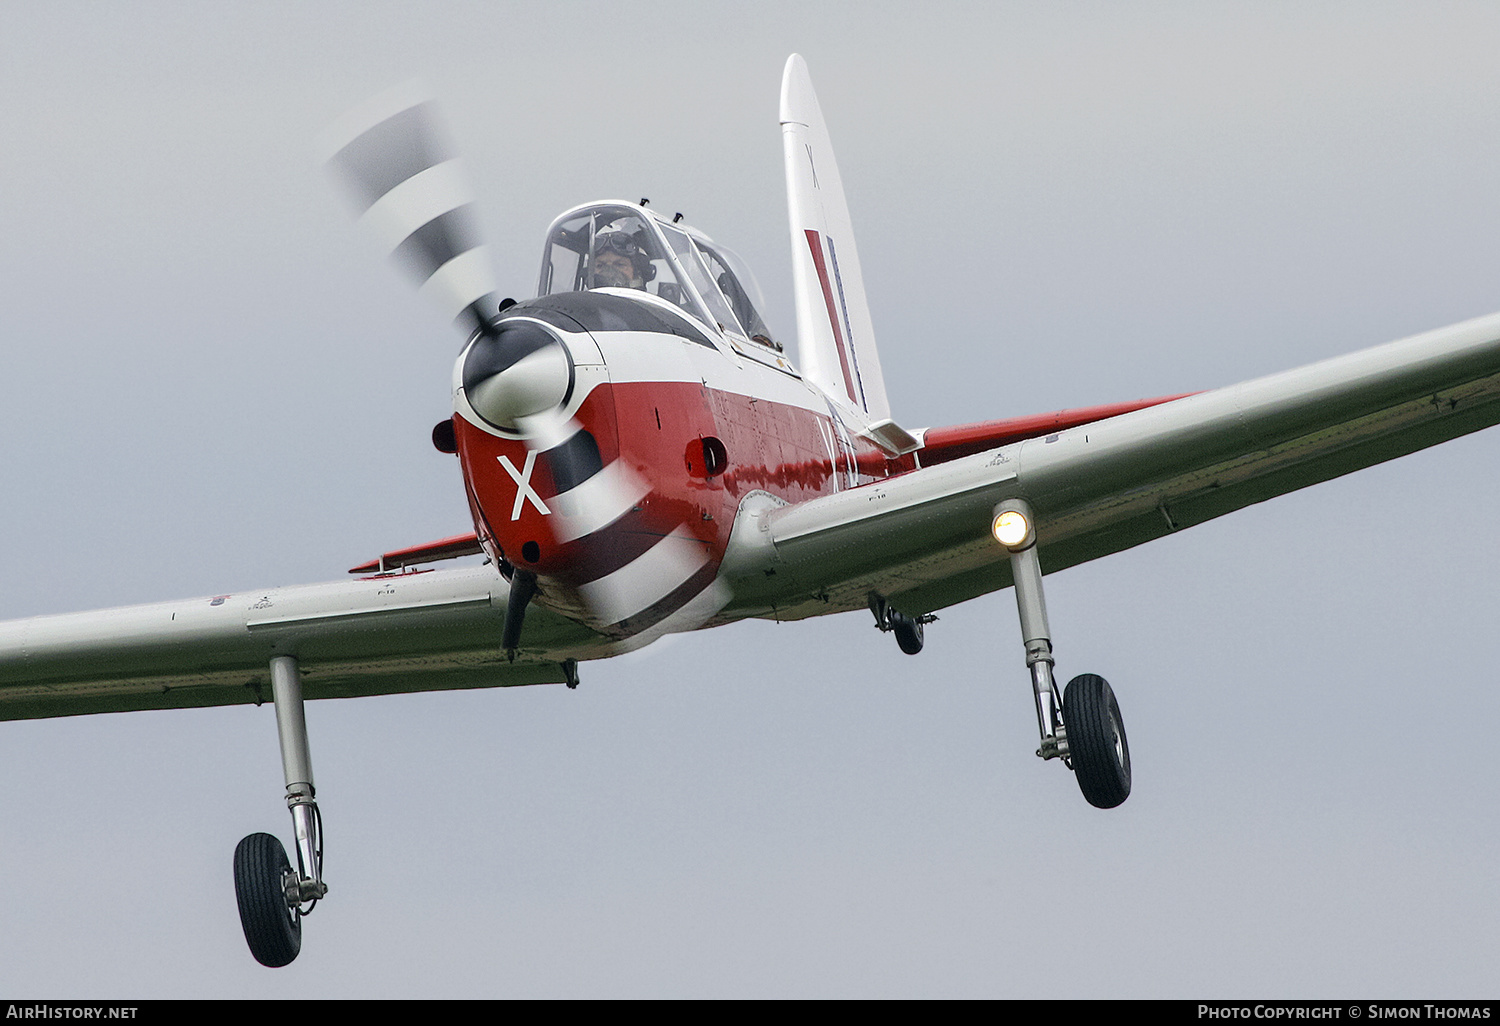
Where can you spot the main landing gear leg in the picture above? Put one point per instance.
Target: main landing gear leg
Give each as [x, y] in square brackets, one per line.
[1083, 725]
[908, 629]
[273, 897]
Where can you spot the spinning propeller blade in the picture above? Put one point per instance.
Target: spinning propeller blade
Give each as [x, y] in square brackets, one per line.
[399, 165]
[403, 172]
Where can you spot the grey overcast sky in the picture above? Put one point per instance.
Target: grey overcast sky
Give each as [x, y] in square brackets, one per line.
[209, 382]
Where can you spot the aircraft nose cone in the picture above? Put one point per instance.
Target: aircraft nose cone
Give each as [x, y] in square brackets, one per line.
[518, 371]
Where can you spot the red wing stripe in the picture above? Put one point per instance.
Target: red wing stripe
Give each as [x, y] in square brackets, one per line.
[815, 244]
[431, 552]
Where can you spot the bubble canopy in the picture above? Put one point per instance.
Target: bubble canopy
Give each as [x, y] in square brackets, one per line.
[623, 246]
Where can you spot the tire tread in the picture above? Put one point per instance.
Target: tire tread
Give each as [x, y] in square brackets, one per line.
[1087, 704]
[273, 931]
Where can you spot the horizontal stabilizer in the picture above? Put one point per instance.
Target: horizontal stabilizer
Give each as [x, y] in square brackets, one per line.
[431, 552]
[893, 439]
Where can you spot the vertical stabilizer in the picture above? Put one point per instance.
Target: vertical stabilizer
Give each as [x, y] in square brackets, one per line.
[835, 340]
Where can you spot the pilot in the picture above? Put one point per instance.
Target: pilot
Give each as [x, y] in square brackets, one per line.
[620, 262]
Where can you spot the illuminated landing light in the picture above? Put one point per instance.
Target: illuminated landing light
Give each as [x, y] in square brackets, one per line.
[1011, 529]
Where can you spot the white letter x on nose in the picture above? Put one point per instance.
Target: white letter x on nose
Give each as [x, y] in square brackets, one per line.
[524, 490]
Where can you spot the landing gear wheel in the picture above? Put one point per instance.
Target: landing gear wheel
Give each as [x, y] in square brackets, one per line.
[272, 928]
[1096, 741]
[908, 631]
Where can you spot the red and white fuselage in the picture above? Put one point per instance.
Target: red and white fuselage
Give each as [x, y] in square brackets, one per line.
[688, 423]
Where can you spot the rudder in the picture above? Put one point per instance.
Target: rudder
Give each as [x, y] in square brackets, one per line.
[836, 340]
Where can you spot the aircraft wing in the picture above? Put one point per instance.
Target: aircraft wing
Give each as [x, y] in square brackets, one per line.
[923, 539]
[426, 631]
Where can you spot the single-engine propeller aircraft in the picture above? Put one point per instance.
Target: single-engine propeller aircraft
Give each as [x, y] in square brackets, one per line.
[641, 457]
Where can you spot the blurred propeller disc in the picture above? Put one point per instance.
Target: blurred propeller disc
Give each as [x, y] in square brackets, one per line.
[404, 174]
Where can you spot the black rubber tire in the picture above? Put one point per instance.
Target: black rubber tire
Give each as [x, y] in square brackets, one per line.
[908, 633]
[273, 930]
[1096, 741]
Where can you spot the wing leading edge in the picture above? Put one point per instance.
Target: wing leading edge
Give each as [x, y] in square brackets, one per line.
[430, 631]
[923, 538]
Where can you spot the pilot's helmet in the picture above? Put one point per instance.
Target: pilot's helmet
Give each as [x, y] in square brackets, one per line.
[625, 244]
